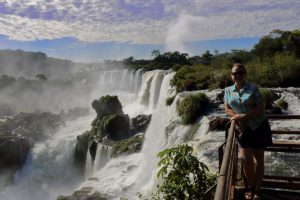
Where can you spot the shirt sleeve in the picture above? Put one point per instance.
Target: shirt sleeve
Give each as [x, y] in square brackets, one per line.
[226, 98]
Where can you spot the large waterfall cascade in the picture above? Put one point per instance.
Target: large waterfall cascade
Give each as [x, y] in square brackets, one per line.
[47, 173]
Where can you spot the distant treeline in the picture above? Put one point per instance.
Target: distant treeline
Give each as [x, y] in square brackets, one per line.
[273, 62]
[19, 63]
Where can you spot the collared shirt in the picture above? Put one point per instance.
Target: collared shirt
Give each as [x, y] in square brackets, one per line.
[245, 100]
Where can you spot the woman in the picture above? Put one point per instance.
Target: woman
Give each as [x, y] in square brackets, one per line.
[244, 103]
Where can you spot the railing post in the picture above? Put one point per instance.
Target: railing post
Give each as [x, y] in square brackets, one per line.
[225, 176]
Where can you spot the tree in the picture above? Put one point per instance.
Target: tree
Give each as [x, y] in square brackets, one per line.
[206, 57]
[155, 53]
[128, 61]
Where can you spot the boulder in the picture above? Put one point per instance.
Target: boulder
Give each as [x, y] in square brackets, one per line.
[107, 105]
[218, 123]
[13, 150]
[83, 194]
[140, 123]
[81, 149]
[115, 127]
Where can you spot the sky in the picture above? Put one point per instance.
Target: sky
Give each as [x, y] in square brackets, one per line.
[97, 30]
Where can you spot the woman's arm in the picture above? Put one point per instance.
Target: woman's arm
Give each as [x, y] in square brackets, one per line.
[229, 111]
[250, 115]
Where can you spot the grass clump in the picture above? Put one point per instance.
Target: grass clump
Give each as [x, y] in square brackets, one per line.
[192, 107]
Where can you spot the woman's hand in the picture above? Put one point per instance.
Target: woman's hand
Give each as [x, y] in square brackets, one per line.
[238, 117]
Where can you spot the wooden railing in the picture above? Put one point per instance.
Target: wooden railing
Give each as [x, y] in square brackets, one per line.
[228, 159]
[228, 168]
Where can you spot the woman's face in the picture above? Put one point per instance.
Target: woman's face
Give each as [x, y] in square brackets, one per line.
[238, 74]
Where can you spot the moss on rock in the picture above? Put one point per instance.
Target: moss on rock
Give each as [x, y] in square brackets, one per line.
[131, 145]
[192, 107]
[107, 105]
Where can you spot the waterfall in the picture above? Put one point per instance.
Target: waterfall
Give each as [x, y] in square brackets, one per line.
[150, 88]
[119, 80]
[102, 156]
[88, 170]
[291, 96]
[48, 170]
[155, 138]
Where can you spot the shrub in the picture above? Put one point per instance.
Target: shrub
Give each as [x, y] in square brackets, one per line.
[191, 107]
[282, 70]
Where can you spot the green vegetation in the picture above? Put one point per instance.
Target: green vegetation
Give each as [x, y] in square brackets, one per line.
[131, 145]
[110, 123]
[268, 97]
[166, 60]
[192, 107]
[183, 175]
[107, 105]
[273, 62]
[282, 104]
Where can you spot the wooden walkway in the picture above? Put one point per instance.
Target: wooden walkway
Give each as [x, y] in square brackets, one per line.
[281, 180]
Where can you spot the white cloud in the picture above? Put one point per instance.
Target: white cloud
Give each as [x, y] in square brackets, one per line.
[151, 22]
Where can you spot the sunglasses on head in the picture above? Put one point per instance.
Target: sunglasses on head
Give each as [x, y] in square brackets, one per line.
[237, 73]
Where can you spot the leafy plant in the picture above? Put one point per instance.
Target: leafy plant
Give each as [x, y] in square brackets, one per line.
[183, 175]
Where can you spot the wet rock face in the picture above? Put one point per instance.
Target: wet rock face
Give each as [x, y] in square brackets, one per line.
[13, 150]
[83, 194]
[218, 123]
[32, 125]
[18, 134]
[115, 127]
[140, 123]
[81, 149]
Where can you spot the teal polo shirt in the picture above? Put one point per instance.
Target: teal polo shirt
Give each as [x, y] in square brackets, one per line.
[244, 101]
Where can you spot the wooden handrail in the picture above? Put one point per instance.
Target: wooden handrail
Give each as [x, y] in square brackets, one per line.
[285, 132]
[225, 176]
[283, 116]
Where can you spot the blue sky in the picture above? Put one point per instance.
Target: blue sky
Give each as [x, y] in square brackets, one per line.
[92, 31]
